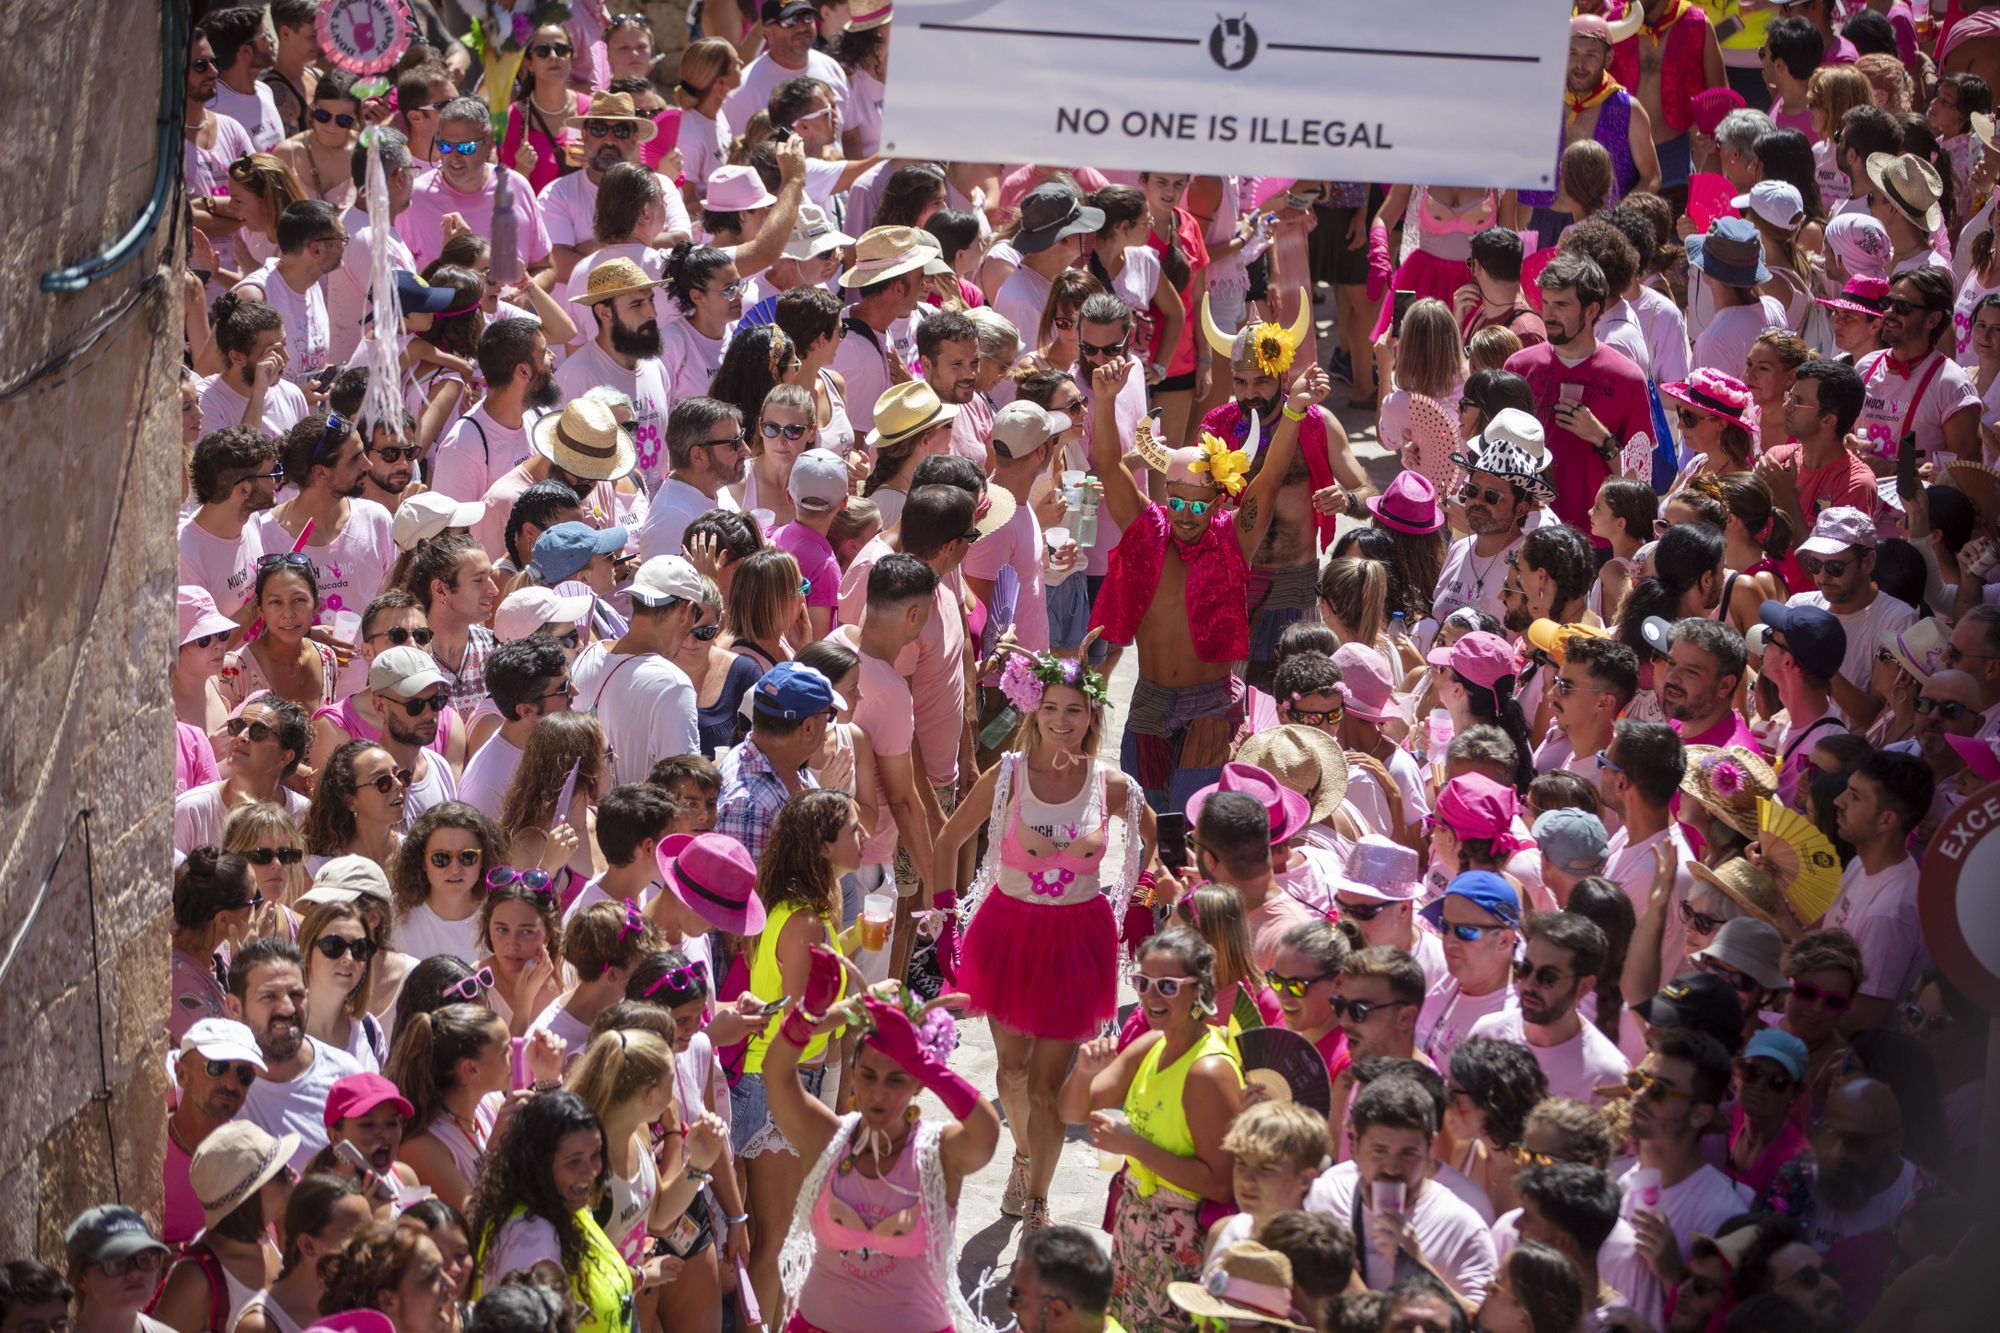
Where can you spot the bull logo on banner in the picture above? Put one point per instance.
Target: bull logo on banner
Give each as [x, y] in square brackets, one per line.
[1233, 42]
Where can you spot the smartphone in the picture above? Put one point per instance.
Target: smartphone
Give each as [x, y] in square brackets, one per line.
[351, 1155]
[1404, 300]
[323, 378]
[777, 1006]
[780, 135]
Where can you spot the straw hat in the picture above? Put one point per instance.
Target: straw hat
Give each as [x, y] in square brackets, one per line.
[905, 410]
[1304, 759]
[585, 440]
[1911, 184]
[1727, 780]
[994, 511]
[615, 277]
[1750, 886]
[233, 1163]
[1248, 1283]
[883, 253]
[617, 106]
[1920, 649]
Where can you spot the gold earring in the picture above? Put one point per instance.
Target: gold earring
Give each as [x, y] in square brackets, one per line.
[910, 1114]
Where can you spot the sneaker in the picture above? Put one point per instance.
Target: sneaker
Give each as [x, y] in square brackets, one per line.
[1034, 1218]
[1014, 1199]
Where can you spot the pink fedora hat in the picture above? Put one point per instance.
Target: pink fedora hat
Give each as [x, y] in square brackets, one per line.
[1290, 812]
[1409, 505]
[713, 875]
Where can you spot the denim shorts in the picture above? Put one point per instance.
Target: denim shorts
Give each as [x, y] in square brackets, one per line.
[1069, 614]
[752, 1132]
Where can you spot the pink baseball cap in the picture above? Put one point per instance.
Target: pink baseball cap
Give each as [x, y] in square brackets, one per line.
[1838, 528]
[1367, 683]
[199, 616]
[1473, 805]
[358, 1094]
[1482, 657]
[1290, 812]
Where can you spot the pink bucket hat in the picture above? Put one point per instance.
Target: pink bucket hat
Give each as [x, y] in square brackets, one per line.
[735, 188]
[1473, 805]
[1290, 812]
[713, 876]
[199, 616]
[1410, 504]
[1721, 396]
[1481, 657]
[1982, 757]
[1367, 683]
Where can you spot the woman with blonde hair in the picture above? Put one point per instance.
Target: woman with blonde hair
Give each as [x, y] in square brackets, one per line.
[1490, 347]
[710, 71]
[1831, 92]
[1430, 363]
[266, 836]
[338, 949]
[539, 834]
[1888, 81]
[261, 188]
[766, 610]
[1215, 912]
[1354, 600]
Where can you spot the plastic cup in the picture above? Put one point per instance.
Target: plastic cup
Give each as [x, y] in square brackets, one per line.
[1386, 1196]
[1111, 1161]
[1646, 1187]
[1057, 538]
[878, 910]
[1074, 477]
[346, 626]
[767, 521]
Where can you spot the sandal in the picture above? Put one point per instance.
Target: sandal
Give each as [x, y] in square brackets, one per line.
[1034, 1218]
[1014, 1200]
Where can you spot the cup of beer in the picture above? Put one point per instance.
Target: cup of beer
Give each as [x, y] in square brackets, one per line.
[878, 911]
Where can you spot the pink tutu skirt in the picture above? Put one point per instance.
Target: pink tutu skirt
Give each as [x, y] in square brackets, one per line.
[1049, 971]
[1425, 274]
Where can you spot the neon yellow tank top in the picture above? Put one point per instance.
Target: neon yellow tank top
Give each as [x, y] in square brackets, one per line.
[767, 982]
[605, 1284]
[1749, 36]
[1156, 1110]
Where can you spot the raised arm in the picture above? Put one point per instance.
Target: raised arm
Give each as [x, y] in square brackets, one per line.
[1253, 518]
[776, 233]
[1123, 495]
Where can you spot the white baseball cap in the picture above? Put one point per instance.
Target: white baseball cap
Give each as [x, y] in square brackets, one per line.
[1838, 528]
[1777, 202]
[525, 610]
[666, 578]
[1021, 427]
[222, 1039]
[819, 481]
[428, 514]
[345, 879]
[404, 671]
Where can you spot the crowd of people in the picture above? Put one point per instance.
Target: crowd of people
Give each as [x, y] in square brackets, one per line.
[609, 784]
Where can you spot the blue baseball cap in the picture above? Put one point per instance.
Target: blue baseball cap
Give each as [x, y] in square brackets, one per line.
[418, 297]
[1781, 1047]
[561, 552]
[790, 691]
[1490, 893]
[1812, 635]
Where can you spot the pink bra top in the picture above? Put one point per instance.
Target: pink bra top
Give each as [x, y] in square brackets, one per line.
[899, 1234]
[1478, 216]
[1054, 874]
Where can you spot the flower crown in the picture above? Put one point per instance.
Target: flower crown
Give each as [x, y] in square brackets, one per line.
[1027, 675]
[1226, 467]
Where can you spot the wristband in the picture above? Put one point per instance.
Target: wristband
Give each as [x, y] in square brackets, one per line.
[1293, 416]
[802, 1034]
[545, 1085]
[735, 1219]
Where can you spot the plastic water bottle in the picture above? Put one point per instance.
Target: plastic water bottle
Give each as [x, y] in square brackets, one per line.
[997, 732]
[1399, 626]
[1086, 519]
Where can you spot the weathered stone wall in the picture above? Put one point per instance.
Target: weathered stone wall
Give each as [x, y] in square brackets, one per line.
[89, 458]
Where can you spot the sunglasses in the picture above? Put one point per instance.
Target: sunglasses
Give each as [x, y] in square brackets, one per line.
[1195, 507]
[772, 430]
[707, 633]
[471, 856]
[1750, 1074]
[1604, 760]
[729, 293]
[1471, 491]
[1472, 934]
[795, 21]
[1896, 305]
[1546, 977]
[1362, 911]
[1359, 1010]
[543, 50]
[610, 129]
[1689, 419]
[246, 1073]
[1808, 1279]
[425, 703]
[339, 946]
[259, 732]
[1739, 982]
[1314, 717]
[731, 442]
[1948, 709]
[263, 856]
[145, 1261]
[535, 881]
[1063, 323]
[1811, 994]
[400, 636]
[1523, 1157]
[465, 148]
[1168, 987]
[388, 782]
[1296, 987]
[1700, 921]
[1654, 1089]
[1815, 566]
[206, 640]
[1092, 349]
[202, 66]
[340, 118]
[285, 560]
[1916, 1020]
[396, 453]
[472, 987]
[682, 980]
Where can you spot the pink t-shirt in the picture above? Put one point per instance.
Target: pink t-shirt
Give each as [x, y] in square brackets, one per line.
[206, 170]
[422, 224]
[1891, 405]
[938, 678]
[194, 758]
[689, 358]
[352, 566]
[886, 714]
[972, 429]
[226, 568]
[1449, 1016]
[222, 405]
[180, 1215]
[1017, 546]
[816, 562]
[1576, 1068]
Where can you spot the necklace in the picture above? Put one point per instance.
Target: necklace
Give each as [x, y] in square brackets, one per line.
[1479, 575]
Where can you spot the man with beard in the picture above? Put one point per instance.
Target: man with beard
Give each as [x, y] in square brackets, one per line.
[412, 693]
[1839, 557]
[1779, 1262]
[613, 132]
[1595, 679]
[624, 354]
[482, 445]
[1863, 1182]
[1564, 954]
[350, 539]
[1391, 1126]
[1913, 384]
[1591, 399]
[452, 579]
[1673, 56]
[1673, 1195]
[1380, 992]
[388, 462]
[1947, 707]
[1803, 649]
[210, 142]
[1697, 682]
[1179, 584]
[465, 183]
[234, 476]
[588, 447]
[948, 354]
[706, 453]
[1639, 774]
[1322, 480]
[267, 993]
[217, 1065]
[1819, 471]
[242, 52]
[1506, 466]
[251, 388]
[1596, 106]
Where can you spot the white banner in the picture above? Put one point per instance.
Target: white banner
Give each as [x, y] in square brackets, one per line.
[1440, 92]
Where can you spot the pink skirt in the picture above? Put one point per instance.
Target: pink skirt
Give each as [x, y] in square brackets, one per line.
[1425, 274]
[1045, 970]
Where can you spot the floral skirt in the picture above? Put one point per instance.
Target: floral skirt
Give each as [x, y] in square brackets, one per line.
[1156, 1239]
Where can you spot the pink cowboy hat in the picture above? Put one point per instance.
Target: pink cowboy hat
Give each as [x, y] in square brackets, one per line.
[1410, 504]
[1711, 392]
[713, 875]
[1290, 812]
[1862, 295]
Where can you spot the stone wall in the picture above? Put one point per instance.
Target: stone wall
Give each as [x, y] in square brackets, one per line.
[89, 462]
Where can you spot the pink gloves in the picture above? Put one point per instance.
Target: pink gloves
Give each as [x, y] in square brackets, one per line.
[896, 1037]
[1380, 270]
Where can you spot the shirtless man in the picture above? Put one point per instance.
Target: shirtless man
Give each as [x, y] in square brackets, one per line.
[1595, 105]
[1178, 583]
[1321, 481]
[1672, 56]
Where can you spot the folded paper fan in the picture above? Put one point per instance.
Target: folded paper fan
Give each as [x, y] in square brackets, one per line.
[1799, 855]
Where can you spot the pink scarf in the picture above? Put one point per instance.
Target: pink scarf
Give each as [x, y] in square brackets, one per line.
[1218, 585]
